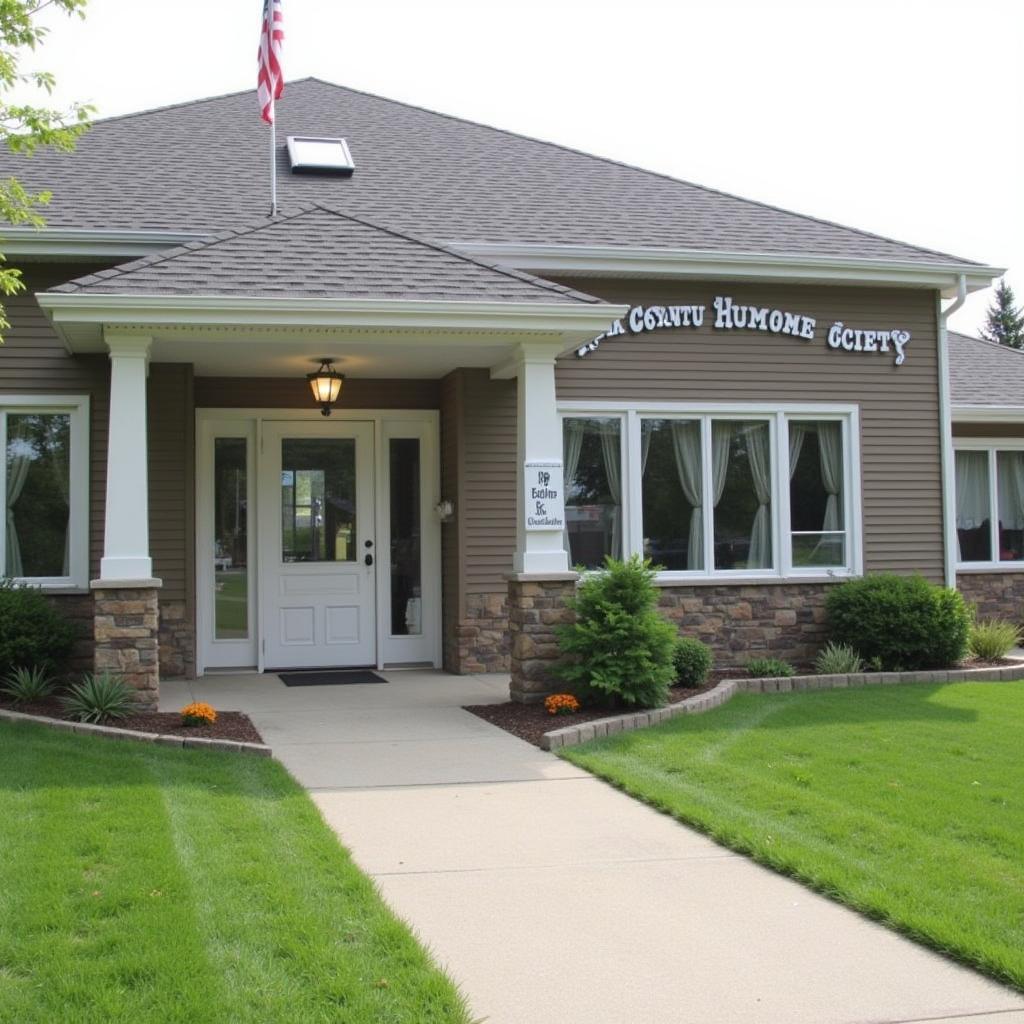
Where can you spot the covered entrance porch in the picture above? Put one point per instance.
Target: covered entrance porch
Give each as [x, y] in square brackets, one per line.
[296, 540]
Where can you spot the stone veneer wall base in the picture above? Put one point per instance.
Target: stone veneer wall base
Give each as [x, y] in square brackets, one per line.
[536, 605]
[574, 735]
[126, 625]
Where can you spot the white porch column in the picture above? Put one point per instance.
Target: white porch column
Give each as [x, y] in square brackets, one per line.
[538, 551]
[126, 555]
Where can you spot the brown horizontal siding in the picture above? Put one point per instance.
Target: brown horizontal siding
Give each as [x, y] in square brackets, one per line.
[171, 417]
[900, 438]
[294, 393]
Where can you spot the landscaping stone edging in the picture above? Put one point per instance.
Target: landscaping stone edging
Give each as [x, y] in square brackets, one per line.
[113, 733]
[573, 735]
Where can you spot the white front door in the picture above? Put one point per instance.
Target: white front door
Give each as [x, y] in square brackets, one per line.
[316, 514]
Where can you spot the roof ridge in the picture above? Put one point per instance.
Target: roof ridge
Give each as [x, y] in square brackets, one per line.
[642, 170]
[194, 102]
[164, 255]
[439, 247]
[987, 341]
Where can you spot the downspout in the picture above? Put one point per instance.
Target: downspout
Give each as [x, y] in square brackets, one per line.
[946, 427]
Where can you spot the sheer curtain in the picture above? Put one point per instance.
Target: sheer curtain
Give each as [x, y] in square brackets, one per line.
[611, 451]
[721, 438]
[797, 433]
[19, 460]
[572, 445]
[686, 444]
[971, 491]
[760, 452]
[830, 445]
[62, 478]
[1010, 478]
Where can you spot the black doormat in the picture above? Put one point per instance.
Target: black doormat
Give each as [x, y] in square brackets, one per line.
[330, 677]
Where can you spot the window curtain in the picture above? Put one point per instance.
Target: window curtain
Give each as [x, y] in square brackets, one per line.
[19, 461]
[1010, 479]
[721, 439]
[971, 490]
[759, 451]
[797, 433]
[611, 450]
[830, 445]
[687, 447]
[572, 445]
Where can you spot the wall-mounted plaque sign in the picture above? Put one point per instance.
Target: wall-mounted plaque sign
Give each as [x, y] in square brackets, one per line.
[544, 508]
[732, 316]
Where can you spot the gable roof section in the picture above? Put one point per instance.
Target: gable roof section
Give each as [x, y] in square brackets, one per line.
[984, 374]
[314, 252]
[201, 166]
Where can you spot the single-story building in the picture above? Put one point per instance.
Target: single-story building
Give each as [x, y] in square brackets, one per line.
[543, 358]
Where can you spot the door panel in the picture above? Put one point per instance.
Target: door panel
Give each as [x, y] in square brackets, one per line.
[316, 526]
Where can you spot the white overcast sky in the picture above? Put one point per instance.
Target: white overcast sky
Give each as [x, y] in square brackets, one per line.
[902, 117]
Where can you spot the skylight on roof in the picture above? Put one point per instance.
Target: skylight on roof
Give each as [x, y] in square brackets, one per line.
[308, 154]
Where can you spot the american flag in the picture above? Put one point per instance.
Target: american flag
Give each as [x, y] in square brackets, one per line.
[270, 80]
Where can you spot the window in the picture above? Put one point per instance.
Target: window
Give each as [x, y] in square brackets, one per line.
[311, 155]
[746, 492]
[987, 479]
[231, 538]
[592, 463]
[43, 478]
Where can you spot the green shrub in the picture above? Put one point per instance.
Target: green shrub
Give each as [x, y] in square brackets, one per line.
[770, 668]
[619, 650]
[900, 623]
[32, 632]
[98, 698]
[993, 639]
[838, 660]
[24, 684]
[693, 661]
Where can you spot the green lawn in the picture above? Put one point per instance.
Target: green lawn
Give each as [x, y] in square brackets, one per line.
[143, 884]
[906, 802]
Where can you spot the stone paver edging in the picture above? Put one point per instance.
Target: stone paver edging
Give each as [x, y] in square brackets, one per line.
[573, 735]
[113, 733]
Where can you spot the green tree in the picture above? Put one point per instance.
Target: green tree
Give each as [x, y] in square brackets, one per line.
[1005, 321]
[24, 127]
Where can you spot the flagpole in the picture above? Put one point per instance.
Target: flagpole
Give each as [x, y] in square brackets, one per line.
[273, 158]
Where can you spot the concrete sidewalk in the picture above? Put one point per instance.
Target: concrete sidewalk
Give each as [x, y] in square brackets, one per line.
[549, 896]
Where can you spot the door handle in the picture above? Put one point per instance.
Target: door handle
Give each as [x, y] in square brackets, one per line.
[368, 560]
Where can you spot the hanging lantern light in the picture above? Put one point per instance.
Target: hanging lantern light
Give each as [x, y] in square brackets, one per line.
[325, 384]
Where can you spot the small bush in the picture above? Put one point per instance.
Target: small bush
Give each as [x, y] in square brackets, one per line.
[619, 650]
[98, 698]
[561, 704]
[25, 684]
[32, 632]
[770, 668]
[198, 713]
[993, 639]
[838, 660]
[693, 661]
[900, 622]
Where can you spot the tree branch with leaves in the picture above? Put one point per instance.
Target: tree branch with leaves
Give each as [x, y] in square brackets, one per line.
[26, 127]
[1004, 323]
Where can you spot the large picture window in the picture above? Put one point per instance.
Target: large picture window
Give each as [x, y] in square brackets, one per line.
[43, 482]
[990, 505]
[729, 494]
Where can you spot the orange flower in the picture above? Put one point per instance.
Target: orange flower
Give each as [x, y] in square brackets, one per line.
[198, 713]
[561, 704]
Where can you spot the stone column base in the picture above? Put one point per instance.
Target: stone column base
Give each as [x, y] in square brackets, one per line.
[536, 605]
[126, 627]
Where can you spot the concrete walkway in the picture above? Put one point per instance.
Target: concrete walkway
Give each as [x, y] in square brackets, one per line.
[551, 897]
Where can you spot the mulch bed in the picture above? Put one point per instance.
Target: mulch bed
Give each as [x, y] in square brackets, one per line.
[530, 721]
[230, 725]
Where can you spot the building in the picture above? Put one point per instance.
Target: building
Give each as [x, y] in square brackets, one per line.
[542, 351]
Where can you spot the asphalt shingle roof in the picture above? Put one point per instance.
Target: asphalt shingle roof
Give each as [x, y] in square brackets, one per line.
[984, 373]
[202, 166]
[311, 251]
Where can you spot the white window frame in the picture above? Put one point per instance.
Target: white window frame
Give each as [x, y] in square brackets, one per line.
[777, 417]
[76, 407]
[990, 447]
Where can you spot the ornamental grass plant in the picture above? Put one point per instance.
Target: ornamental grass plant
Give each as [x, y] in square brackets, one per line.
[98, 698]
[25, 684]
[992, 639]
